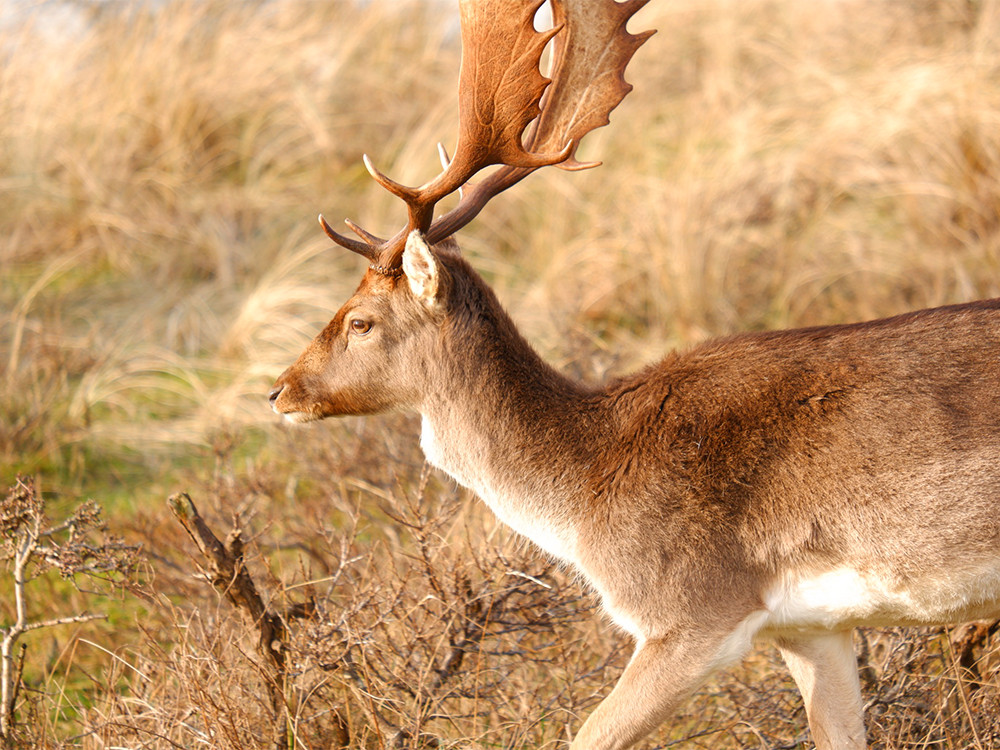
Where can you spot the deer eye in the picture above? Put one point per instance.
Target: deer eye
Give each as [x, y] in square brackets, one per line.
[360, 326]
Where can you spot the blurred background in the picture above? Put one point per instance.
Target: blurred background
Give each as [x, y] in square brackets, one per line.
[780, 163]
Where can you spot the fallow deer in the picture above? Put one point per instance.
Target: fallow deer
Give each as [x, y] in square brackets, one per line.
[788, 485]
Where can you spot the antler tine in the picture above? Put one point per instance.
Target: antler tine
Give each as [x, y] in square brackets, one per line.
[406, 193]
[445, 163]
[443, 156]
[367, 250]
[371, 239]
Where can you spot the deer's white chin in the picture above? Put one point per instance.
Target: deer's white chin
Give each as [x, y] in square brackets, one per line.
[299, 417]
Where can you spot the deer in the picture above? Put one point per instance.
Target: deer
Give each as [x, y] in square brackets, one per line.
[787, 486]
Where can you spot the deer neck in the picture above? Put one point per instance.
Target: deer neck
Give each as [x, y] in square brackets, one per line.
[505, 424]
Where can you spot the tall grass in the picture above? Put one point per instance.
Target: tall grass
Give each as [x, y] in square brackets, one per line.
[780, 163]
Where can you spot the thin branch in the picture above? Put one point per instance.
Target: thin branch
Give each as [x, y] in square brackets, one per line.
[61, 621]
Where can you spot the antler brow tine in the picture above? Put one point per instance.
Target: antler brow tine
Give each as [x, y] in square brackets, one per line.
[368, 251]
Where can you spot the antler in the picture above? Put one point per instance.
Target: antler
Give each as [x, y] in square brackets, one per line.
[501, 94]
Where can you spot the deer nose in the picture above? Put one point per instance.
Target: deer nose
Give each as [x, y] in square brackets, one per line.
[275, 392]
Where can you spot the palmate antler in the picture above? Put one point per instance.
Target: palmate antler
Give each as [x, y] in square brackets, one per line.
[509, 113]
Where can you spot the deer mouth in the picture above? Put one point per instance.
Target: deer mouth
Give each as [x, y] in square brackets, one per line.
[294, 416]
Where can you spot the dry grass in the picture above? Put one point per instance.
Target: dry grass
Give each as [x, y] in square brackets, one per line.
[780, 163]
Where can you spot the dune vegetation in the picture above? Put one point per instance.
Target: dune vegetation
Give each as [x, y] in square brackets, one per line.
[780, 163]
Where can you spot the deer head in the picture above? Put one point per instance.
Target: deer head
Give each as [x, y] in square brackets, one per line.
[371, 356]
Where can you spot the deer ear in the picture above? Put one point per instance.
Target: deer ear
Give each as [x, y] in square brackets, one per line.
[421, 269]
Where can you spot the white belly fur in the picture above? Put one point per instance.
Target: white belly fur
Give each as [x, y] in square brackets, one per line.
[845, 598]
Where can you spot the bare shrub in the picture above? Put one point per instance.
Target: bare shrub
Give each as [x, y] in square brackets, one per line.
[931, 687]
[30, 547]
[414, 647]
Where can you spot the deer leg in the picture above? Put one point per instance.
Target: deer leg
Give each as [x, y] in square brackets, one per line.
[662, 673]
[826, 671]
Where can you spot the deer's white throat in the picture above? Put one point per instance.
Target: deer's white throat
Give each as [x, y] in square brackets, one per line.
[511, 492]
